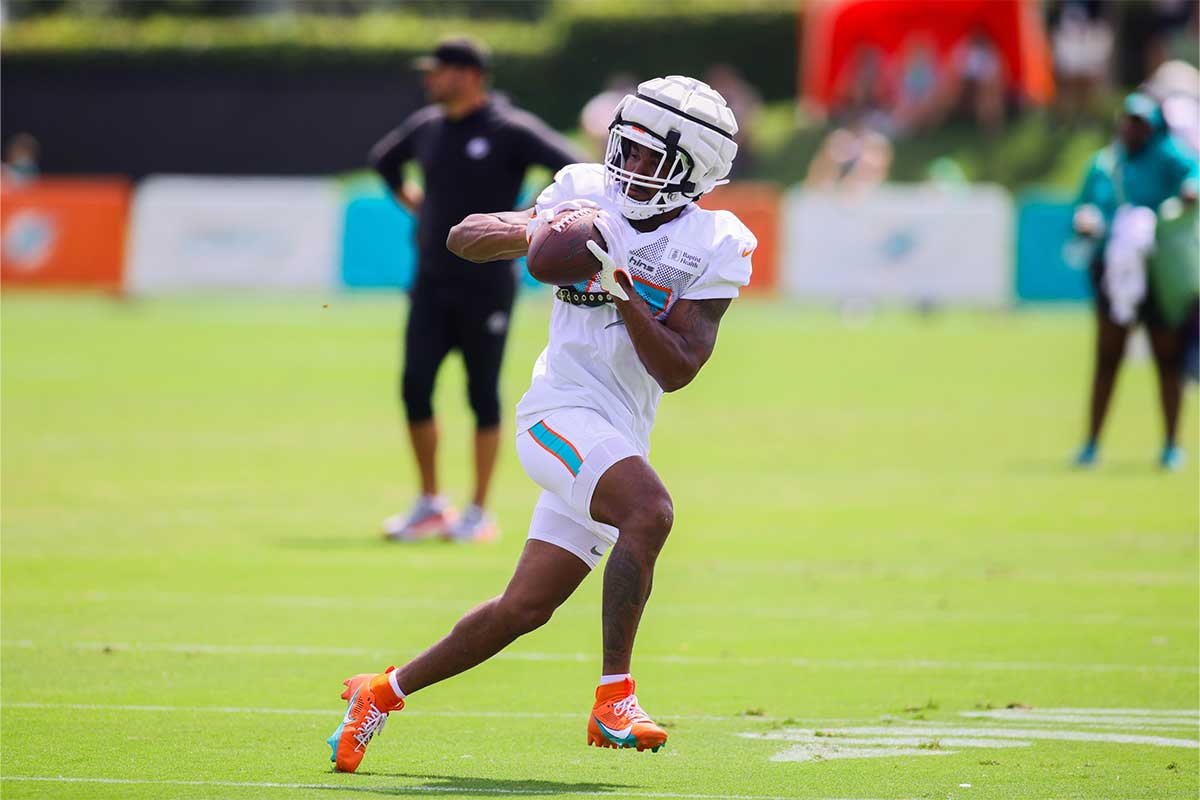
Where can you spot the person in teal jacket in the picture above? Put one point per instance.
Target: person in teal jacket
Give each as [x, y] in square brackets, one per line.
[1117, 208]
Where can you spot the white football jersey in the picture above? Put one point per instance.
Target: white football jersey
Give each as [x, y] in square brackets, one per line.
[590, 361]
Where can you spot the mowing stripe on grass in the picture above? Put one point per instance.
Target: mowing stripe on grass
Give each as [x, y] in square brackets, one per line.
[813, 663]
[326, 712]
[376, 789]
[1136, 719]
[679, 609]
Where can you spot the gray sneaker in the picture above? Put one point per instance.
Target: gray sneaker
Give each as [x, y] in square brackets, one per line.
[429, 516]
[475, 525]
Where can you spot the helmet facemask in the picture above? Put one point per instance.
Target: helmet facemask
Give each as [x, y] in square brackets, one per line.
[669, 181]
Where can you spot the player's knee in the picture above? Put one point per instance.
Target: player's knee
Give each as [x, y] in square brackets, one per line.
[486, 411]
[522, 615]
[651, 520]
[1108, 359]
[417, 395]
[484, 396]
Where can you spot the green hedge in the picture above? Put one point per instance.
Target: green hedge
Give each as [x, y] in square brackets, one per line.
[551, 65]
[368, 35]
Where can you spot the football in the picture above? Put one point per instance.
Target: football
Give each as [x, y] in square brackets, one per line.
[558, 253]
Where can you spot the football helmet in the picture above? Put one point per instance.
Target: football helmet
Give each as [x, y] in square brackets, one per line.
[689, 126]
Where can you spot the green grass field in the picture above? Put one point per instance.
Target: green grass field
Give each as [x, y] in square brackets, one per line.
[877, 550]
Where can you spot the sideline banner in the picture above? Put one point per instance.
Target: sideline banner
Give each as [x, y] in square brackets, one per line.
[378, 244]
[379, 239]
[757, 206]
[65, 232]
[1052, 262]
[911, 243]
[199, 233]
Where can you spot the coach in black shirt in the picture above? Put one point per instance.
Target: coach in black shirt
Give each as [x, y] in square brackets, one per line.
[474, 150]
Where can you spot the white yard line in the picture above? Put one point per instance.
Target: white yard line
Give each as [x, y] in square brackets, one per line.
[936, 731]
[393, 789]
[813, 663]
[1138, 721]
[1192, 713]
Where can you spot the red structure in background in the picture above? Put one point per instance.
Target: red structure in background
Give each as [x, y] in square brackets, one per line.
[64, 233]
[834, 31]
[757, 206]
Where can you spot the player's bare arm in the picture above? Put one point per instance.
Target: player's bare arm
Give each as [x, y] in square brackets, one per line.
[674, 352]
[490, 237]
[410, 196]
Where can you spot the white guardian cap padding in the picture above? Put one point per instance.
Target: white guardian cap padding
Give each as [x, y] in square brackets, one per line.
[690, 126]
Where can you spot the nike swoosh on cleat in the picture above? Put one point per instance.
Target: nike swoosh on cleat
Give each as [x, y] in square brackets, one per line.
[346, 720]
[620, 735]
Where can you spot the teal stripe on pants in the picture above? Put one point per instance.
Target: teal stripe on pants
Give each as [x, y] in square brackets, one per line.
[558, 446]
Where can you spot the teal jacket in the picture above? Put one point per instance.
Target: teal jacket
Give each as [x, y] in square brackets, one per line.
[1146, 178]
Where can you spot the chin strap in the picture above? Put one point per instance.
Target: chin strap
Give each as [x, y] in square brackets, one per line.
[685, 186]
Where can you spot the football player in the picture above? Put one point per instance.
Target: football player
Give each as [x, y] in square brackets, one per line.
[644, 324]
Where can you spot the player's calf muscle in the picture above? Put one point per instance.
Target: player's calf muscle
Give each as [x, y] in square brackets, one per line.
[627, 584]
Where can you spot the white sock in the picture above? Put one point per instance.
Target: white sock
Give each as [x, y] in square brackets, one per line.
[395, 686]
[605, 680]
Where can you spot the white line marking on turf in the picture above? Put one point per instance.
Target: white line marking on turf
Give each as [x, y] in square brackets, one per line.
[333, 712]
[938, 731]
[1185, 719]
[378, 789]
[813, 663]
[1087, 713]
[940, 739]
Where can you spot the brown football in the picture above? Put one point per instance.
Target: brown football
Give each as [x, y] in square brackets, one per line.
[558, 253]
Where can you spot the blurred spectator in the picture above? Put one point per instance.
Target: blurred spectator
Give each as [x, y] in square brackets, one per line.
[20, 160]
[917, 100]
[598, 112]
[977, 82]
[1083, 44]
[1176, 86]
[864, 91]
[1151, 32]
[1118, 208]
[746, 103]
[1170, 21]
[853, 158]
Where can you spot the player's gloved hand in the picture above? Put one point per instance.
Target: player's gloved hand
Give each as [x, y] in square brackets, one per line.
[541, 219]
[615, 258]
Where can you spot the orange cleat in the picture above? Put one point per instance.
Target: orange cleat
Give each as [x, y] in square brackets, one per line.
[618, 721]
[366, 714]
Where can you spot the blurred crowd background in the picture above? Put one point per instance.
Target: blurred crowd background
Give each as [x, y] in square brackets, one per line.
[856, 96]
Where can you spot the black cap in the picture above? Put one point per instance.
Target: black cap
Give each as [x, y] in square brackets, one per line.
[457, 51]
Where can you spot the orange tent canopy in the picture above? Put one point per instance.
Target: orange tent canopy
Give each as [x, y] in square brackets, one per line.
[836, 30]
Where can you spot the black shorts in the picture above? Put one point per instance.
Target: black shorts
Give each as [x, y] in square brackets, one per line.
[473, 320]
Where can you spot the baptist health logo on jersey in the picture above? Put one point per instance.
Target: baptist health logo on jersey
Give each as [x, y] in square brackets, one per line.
[665, 253]
[682, 258]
